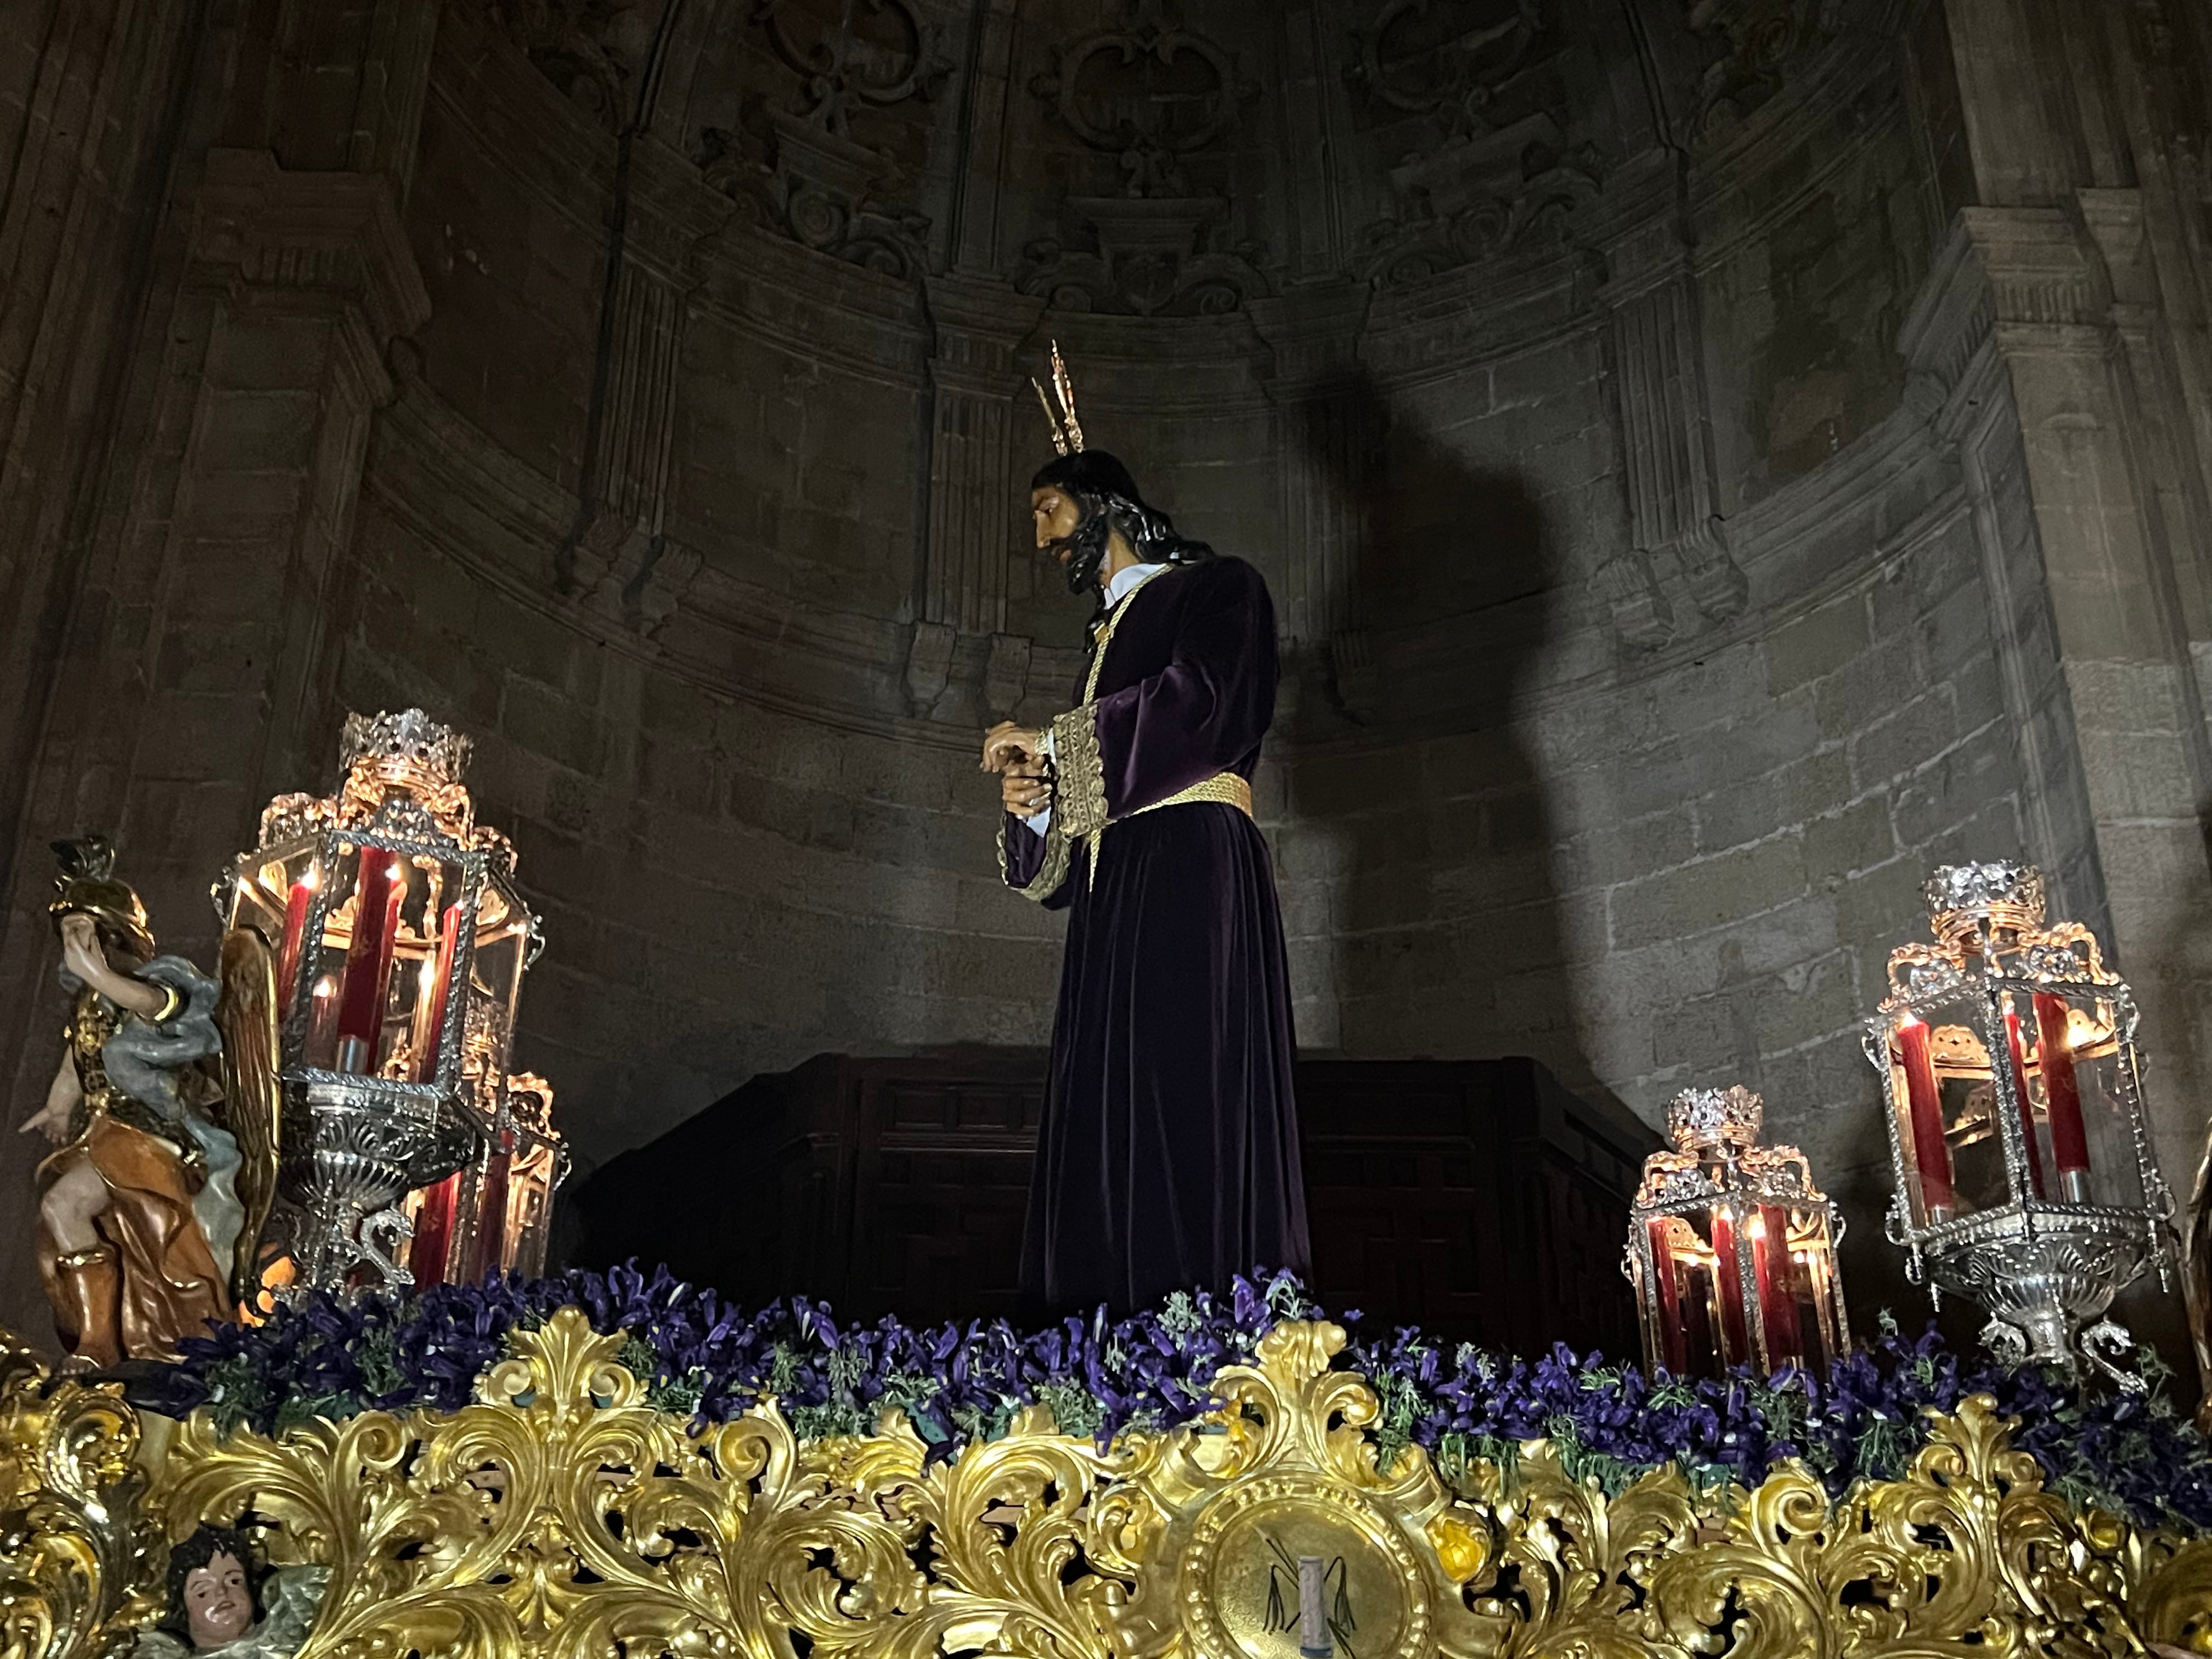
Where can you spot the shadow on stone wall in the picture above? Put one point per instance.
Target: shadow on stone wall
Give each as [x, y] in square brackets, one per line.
[1449, 940]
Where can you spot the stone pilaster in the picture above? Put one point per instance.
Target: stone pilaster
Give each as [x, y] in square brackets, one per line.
[980, 241]
[311, 275]
[1656, 352]
[2018, 323]
[620, 560]
[980, 399]
[1326, 435]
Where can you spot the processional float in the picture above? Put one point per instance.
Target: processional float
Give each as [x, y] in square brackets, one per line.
[375, 949]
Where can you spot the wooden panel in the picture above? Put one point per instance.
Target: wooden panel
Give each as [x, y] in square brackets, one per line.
[1478, 1199]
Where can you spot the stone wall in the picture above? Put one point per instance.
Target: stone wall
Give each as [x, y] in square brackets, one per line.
[1670, 565]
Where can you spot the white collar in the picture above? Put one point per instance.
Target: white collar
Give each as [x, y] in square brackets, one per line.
[1124, 581]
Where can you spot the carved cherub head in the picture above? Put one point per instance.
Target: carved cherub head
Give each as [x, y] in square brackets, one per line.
[213, 1588]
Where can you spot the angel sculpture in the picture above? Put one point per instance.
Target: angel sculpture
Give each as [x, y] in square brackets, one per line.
[150, 1209]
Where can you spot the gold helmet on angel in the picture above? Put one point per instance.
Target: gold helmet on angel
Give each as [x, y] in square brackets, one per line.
[143, 1234]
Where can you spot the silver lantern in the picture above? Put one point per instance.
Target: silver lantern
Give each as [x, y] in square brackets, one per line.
[2024, 1180]
[398, 945]
[1731, 1247]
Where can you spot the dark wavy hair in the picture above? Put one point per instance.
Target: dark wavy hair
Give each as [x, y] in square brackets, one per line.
[197, 1552]
[1108, 500]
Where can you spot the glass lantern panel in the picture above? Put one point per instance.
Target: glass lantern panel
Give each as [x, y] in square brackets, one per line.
[492, 1205]
[1945, 1094]
[1967, 1084]
[495, 983]
[1795, 1271]
[379, 974]
[1697, 1305]
[272, 894]
[529, 1205]
[2078, 1092]
[434, 1210]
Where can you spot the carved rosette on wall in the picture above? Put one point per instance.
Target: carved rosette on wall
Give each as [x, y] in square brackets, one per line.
[1148, 96]
[1497, 173]
[801, 171]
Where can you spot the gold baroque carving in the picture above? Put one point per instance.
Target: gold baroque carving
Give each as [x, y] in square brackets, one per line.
[76, 1543]
[561, 1515]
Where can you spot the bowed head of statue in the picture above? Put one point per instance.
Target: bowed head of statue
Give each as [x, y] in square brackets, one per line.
[1105, 494]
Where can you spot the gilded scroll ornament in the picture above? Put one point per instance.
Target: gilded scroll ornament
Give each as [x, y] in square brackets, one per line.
[561, 1515]
[74, 1540]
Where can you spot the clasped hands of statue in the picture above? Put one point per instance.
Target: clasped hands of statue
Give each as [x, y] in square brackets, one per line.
[1016, 753]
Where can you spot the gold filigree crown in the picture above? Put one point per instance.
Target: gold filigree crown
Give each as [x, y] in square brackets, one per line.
[1067, 430]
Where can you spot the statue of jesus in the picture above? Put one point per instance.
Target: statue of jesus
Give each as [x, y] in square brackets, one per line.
[1168, 1156]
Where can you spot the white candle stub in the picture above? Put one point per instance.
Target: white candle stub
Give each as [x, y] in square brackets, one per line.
[1313, 1627]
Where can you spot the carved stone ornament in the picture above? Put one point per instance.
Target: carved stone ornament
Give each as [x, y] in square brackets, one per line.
[591, 50]
[801, 172]
[881, 52]
[1146, 261]
[1756, 44]
[1642, 614]
[563, 1515]
[1148, 93]
[1497, 172]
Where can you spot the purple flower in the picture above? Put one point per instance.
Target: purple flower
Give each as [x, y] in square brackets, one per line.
[1866, 1416]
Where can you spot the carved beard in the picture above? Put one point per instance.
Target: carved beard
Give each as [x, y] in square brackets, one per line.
[1086, 548]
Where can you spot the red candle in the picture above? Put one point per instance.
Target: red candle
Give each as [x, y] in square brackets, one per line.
[2062, 1095]
[1778, 1288]
[1929, 1150]
[1736, 1330]
[2026, 1111]
[368, 959]
[491, 1209]
[295, 924]
[322, 1019]
[434, 1232]
[449, 933]
[1672, 1352]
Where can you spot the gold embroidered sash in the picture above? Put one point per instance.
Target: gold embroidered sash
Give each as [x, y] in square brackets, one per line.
[1226, 787]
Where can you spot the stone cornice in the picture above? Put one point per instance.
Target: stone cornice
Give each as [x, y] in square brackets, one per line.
[1445, 327]
[979, 324]
[2000, 265]
[824, 309]
[337, 235]
[673, 211]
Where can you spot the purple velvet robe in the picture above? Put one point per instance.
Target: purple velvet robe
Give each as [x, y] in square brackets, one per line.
[1169, 1154]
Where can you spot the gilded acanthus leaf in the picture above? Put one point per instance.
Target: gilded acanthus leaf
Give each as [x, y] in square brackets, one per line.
[562, 1516]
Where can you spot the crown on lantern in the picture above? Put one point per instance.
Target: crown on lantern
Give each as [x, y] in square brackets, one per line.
[1965, 899]
[1067, 430]
[1715, 1120]
[408, 747]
